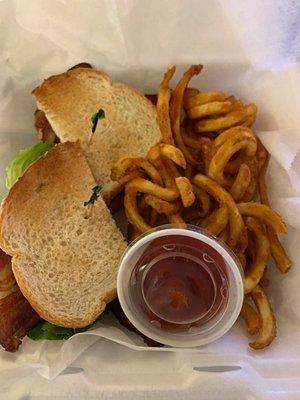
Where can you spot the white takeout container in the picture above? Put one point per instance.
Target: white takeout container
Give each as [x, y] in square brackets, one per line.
[249, 49]
[197, 336]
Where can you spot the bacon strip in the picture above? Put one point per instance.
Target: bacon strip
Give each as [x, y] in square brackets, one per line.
[17, 316]
[43, 127]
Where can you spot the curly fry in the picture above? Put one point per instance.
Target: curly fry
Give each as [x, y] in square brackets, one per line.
[225, 234]
[111, 192]
[162, 107]
[186, 191]
[189, 93]
[161, 206]
[131, 210]
[153, 217]
[213, 108]
[190, 141]
[262, 245]
[251, 189]
[267, 330]
[241, 140]
[282, 261]
[177, 220]
[262, 155]
[173, 153]
[207, 153]
[237, 132]
[155, 157]
[251, 318]
[193, 215]
[264, 214]
[216, 222]
[175, 110]
[242, 258]
[241, 183]
[203, 198]
[202, 98]
[143, 186]
[237, 227]
[126, 164]
[234, 165]
[230, 119]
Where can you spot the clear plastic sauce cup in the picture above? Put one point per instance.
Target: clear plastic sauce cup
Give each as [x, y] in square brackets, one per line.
[180, 286]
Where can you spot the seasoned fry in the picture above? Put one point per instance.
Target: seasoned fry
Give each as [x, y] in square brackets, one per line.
[207, 153]
[262, 245]
[172, 169]
[237, 227]
[162, 107]
[251, 115]
[193, 215]
[173, 153]
[251, 248]
[132, 212]
[186, 191]
[193, 142]
[213, 108]
[223, 155]
[153, 218]
[237, 132]
[234, 165]
[251, 189]
[242, 258]
[282, 261]
[127, 164]
[112, 192]
[251, 318]
[161, 206]
[155, 157]
[227, 144]
[264, 214]
[231, 119]
[267, 330]
[144, 186]
[240, 183]
[203, 98]
[216, 222]
[189, 93]
[225, 234]
[203, 198]
[175, 110]
[262, 155]
[177, 220]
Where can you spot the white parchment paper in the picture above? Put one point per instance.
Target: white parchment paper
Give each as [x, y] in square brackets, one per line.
[134, 41]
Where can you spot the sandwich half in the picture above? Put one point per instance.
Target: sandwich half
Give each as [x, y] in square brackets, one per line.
[69, 100]
[65, 252]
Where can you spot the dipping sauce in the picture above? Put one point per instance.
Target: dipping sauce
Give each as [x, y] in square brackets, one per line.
[180, 282]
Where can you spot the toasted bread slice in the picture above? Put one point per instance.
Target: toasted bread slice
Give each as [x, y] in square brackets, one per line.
[65, 255]
[130, 126]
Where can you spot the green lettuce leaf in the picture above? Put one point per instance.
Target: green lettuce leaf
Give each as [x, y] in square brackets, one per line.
[23, 160]
[47, 331]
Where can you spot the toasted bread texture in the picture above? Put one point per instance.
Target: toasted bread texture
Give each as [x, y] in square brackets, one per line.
[64, 255]
[130, 125]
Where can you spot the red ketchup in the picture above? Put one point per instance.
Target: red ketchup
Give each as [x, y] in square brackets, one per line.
[180, 282]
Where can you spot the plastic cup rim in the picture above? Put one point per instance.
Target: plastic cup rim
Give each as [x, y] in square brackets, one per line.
[179, 339]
